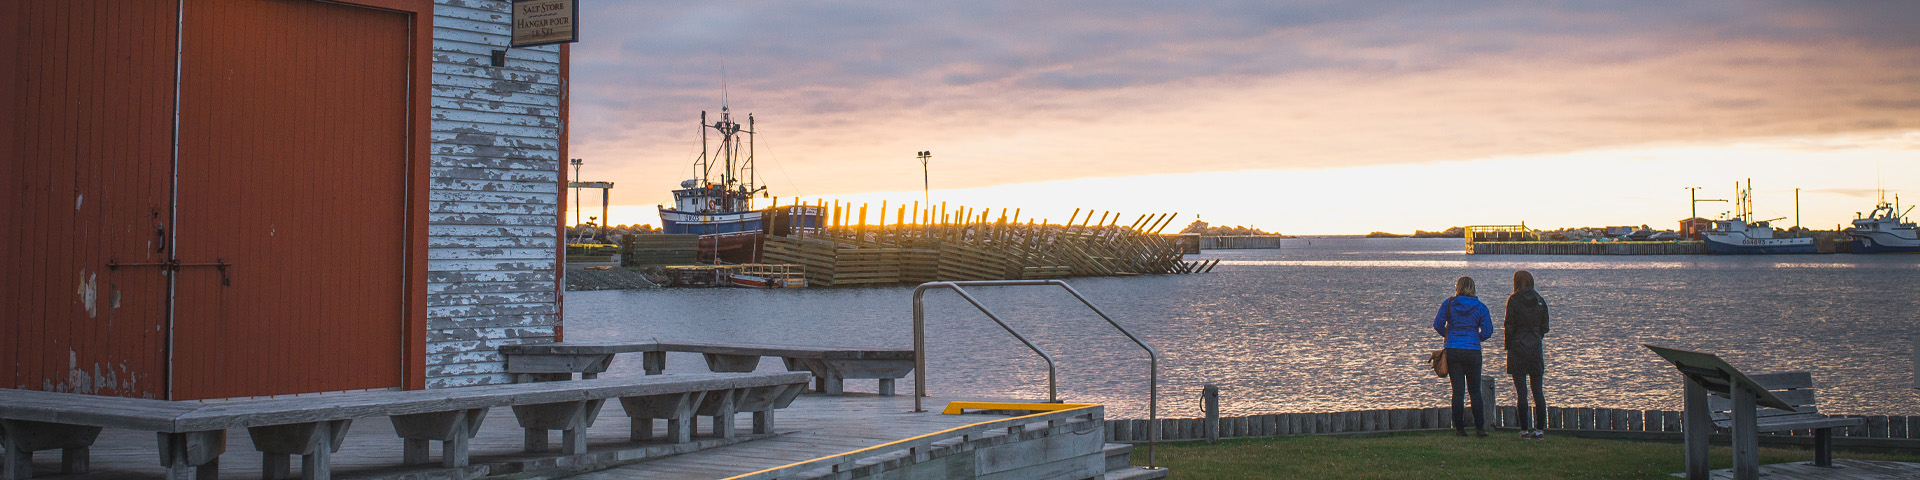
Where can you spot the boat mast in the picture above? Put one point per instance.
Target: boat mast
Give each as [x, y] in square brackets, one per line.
[703, 164]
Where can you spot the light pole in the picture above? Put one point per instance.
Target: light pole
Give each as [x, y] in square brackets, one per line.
[577, 162]
[1693, 206]
[926, 185]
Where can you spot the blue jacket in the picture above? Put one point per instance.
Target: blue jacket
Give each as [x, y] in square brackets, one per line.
[1464, 321]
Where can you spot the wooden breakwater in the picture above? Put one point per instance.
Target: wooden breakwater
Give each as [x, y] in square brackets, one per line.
[936, 244]
[1230, 242]
[1587, 248]
[1880, 430]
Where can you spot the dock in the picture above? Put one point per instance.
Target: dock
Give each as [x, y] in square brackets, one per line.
[1587, 248]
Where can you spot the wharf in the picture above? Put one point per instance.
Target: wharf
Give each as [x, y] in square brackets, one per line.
[814, 426]
[1586, 248]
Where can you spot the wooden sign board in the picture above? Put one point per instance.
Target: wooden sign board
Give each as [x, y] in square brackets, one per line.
[545, 22]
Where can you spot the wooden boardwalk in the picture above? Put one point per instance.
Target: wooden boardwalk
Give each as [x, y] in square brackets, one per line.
[1846, 470]
[814, 426]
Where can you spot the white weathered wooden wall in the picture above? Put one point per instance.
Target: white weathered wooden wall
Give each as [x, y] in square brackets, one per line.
[496, 163]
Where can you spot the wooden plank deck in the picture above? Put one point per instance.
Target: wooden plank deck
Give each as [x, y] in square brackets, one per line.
[1846, 470]
[814, 426]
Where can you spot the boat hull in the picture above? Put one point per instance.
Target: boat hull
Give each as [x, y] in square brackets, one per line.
[676, 222]
[1768, 246]
[1883, 242]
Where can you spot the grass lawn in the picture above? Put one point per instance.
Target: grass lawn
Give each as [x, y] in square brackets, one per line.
[1442, 455]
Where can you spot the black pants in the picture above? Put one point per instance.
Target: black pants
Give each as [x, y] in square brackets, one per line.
[1523, 383]
[1463, 370]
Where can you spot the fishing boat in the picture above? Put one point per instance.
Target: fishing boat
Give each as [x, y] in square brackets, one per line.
[718, 205]
[1886, 230]
[1741, 235]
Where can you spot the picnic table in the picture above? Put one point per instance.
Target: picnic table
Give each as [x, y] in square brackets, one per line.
[830, 366]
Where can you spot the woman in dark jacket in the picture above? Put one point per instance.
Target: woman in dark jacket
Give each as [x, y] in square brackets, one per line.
[1464, 321]
[1526, 326]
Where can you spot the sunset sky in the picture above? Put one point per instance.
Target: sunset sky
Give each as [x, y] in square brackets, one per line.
[1293, 117]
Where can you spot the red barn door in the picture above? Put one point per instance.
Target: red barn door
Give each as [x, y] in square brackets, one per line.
[293, 199]
[86, 138]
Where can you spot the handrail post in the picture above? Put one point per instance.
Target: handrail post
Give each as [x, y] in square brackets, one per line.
[920, 349]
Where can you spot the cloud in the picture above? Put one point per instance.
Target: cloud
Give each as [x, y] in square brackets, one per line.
[1009, 92]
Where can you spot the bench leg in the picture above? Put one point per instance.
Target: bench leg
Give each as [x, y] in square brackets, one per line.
[836, 385]
[571, 418]
[723, 415]
[415, 451]
[654, 363]
[314, 442]
[1746, 438]
[1823, 447]
[641, 429]
[192, 454]
[319, 464]
[276, 466]
[1696, 427]
[20, 438]
[453, 429]
[19, 465]
[886, 387]
[763, 421]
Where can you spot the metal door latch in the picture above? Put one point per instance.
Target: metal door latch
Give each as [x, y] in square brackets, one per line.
[174, 265]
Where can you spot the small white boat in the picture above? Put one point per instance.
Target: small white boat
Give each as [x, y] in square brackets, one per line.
[769, 276]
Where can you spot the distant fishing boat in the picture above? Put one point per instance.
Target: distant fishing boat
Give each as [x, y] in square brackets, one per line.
[1741, 235]
[1886, 230]
[718, 205]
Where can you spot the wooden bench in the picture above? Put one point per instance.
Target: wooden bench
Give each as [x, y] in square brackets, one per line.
[1746, 405]
[192, 435]
[830, 366]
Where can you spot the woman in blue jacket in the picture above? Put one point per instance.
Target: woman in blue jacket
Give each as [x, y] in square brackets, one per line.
[1464, 321]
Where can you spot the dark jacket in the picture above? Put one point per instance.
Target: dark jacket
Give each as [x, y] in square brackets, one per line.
[1464, 321]
[1526, 326]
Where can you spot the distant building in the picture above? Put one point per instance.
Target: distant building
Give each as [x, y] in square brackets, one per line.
[350, 196]
[1691, 228]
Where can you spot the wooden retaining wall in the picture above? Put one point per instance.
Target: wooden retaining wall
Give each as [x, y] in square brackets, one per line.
[1229, 242]
[1586, 248]
[967, 245]
[1402, 419]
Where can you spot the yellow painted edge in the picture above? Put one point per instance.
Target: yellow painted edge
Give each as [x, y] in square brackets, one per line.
[956, 408]
[1063, 407]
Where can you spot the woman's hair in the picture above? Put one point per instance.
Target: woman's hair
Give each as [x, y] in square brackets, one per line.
[1463, 287]
[1522, 281]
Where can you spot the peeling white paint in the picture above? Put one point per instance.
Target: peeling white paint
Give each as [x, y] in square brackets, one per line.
[116, 298]
[89, 293]
[78, 199]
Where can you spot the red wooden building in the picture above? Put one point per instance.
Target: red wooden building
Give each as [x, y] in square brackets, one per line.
[226, 198]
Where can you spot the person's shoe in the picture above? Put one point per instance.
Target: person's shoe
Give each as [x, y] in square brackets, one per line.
[1459, 432]
[1526, 434]
[1539, 434]
[1482, 433]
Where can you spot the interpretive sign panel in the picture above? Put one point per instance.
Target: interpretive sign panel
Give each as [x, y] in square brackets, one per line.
[545, 22]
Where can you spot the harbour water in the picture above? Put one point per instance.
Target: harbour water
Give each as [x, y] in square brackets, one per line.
[1329, 324]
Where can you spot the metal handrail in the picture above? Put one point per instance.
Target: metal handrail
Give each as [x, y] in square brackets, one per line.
[920, 343]
[920, 347]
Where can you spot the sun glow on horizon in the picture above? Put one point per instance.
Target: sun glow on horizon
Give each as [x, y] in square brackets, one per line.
[1837, 176]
